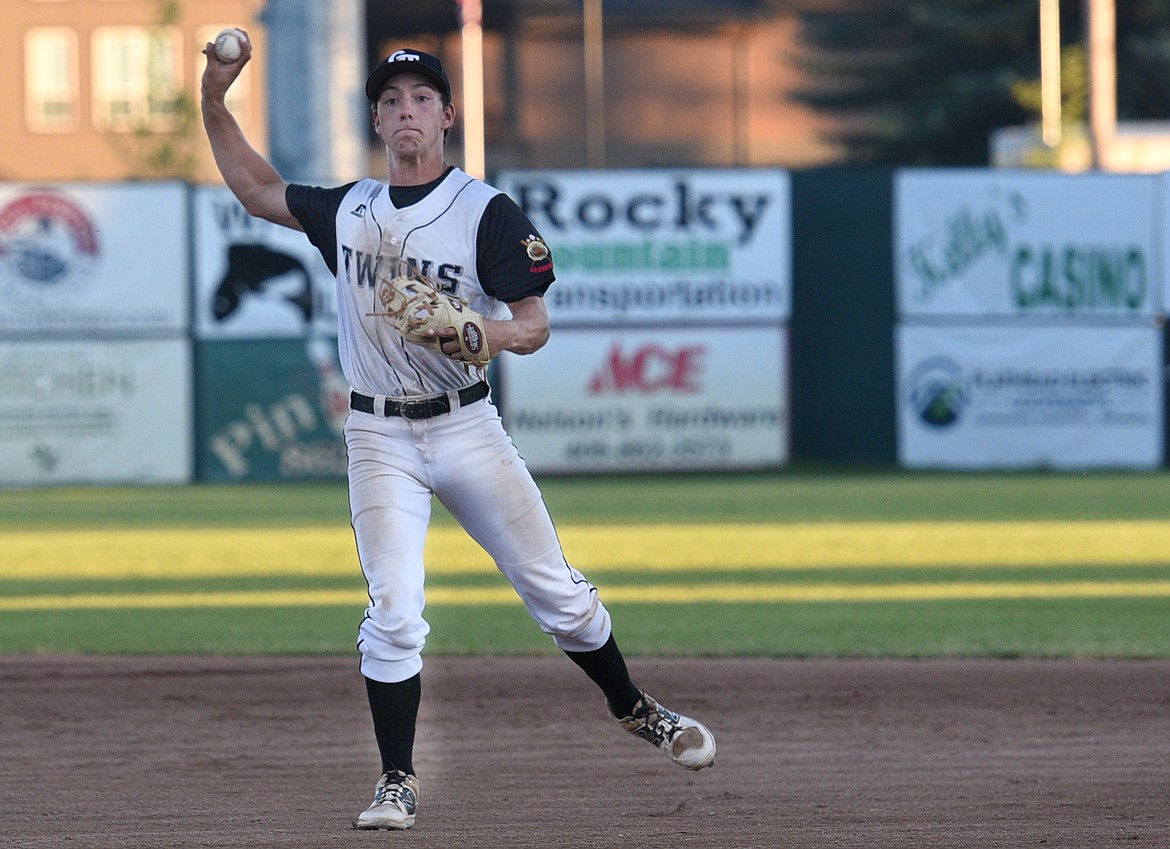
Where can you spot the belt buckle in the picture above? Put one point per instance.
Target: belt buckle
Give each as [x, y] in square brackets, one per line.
[415, 409]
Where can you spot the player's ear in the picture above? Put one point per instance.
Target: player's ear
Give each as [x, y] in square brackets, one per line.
[448, 116]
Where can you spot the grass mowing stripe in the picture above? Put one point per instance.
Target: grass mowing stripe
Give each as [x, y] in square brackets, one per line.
[658, 594]
[243, 538]
[1108, 627]
[606, 581]
[212, 552]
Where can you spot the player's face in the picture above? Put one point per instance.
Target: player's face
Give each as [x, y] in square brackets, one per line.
[411, 116]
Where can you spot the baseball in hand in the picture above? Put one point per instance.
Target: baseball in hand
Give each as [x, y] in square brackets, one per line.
[228, 45]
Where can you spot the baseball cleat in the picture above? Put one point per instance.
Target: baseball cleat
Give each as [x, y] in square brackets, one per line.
[395, 798]
[686, 742]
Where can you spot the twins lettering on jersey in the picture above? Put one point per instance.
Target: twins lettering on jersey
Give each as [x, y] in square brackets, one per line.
[363, 269]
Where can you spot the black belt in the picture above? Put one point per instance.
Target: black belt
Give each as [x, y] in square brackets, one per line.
[419, 408]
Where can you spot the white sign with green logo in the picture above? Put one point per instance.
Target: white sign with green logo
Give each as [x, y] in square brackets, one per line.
[1015, 243]
[992, 397]
[662, 246]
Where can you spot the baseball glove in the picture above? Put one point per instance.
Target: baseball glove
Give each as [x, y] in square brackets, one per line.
[413, 305]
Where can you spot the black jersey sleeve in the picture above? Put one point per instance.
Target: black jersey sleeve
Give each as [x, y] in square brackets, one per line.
[316, 210]
[512, 260]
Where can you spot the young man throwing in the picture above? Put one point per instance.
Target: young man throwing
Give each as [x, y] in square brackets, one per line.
[422, 422]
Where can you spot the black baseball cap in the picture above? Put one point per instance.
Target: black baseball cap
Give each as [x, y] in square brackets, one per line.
[408, 60]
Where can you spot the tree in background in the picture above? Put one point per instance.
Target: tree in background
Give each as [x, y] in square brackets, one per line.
[1074, 88]
[1143, 63]
[165, 145]
[925, 83]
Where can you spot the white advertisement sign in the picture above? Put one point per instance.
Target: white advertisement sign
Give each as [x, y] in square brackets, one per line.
[650, 399]
[662, 246]
[256, 279]
[95, 412]
[1009, 243]
[93, 258]
[1029, 397]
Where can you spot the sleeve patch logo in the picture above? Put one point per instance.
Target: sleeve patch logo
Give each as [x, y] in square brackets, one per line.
[538, 252]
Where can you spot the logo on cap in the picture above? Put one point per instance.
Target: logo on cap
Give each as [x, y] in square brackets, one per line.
[413, 60]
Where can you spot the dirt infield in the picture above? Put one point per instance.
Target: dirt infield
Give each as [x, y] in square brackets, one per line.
[249, 752]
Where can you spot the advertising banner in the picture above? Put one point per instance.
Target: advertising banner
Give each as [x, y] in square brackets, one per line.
[1043, 397]
[93, 258]
[1026, 244]
[256, 279]
[650, 399]
[107, 412]
[662, 246]
[271, 409]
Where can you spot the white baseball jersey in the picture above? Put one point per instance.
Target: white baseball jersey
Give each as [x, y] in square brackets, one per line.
[466, 236]
[477, 243]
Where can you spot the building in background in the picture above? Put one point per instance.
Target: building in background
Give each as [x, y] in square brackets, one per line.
[683, 82]
[108, 89]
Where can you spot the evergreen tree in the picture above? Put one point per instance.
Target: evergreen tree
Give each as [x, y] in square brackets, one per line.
[924, 83]
[1143, 60]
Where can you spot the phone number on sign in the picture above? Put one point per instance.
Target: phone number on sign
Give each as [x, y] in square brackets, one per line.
[648, 451]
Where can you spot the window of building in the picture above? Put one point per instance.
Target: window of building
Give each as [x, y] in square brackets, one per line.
[137, 78]
[50, 79]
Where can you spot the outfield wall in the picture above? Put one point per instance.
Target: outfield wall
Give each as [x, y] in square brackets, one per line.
[703, 319]
[95, 349]
[670, 311]
[1029, 319]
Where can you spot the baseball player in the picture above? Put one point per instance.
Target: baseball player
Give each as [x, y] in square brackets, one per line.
[434, 241]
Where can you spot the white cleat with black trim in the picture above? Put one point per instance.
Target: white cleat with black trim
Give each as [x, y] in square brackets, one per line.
[685, 741]
[395, 799]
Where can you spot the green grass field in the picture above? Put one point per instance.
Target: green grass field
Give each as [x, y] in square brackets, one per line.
[778, 564]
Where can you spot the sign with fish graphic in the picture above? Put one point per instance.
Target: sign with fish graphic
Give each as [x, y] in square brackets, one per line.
[255, 279]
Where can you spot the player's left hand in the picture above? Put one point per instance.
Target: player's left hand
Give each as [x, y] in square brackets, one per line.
[446, 341]
[425, 315]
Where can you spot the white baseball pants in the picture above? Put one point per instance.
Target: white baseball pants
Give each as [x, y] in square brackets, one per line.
[469, 462]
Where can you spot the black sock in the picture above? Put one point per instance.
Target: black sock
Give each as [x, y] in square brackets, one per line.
[394, 709]
[607, 669]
